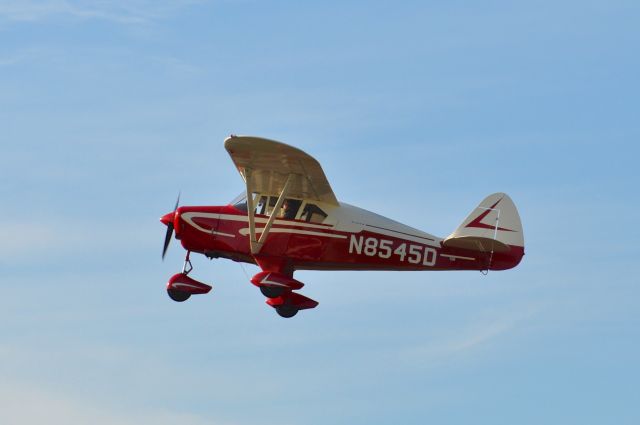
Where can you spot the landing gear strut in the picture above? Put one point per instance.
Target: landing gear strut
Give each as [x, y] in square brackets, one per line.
[187, 267]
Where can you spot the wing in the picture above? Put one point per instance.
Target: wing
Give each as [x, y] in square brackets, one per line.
[271, 163]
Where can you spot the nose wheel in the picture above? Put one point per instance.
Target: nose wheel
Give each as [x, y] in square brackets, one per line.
[177, 295]
[180, 286]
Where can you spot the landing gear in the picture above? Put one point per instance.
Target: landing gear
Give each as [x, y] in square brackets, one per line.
[178, 296]
[286, 311]
[271, 292]
[180, 286]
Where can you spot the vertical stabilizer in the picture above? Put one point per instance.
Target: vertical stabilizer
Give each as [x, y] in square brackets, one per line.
[493, 226]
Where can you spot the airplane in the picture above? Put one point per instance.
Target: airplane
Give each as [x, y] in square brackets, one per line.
[289, 219]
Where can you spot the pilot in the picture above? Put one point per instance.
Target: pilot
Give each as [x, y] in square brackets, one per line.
[289, 209]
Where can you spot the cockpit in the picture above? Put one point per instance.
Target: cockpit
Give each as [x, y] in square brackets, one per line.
[291, 209]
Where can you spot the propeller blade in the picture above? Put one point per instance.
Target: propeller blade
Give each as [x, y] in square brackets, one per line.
[167, 239]
[177, 202]
[169, 234]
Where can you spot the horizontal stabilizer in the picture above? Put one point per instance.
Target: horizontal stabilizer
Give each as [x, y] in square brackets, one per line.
[475, 243]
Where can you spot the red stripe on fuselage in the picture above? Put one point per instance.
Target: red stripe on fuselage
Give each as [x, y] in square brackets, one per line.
[369, 250]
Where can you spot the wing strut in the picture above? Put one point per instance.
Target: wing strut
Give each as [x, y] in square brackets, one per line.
[272, 218]
[250, 210]
[255, 244]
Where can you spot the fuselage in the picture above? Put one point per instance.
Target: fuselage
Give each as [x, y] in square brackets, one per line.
[346, 238]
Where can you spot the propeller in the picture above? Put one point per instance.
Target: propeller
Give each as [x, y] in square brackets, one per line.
[168, 220]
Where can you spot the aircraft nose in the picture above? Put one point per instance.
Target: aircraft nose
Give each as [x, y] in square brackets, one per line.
[167, 218]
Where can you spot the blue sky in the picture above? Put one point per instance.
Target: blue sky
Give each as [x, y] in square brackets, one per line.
[417, 111]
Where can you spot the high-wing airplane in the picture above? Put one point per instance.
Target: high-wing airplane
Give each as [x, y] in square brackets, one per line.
[289, 219]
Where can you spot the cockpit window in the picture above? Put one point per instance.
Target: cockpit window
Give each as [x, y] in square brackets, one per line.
[289, 210]
[313, 214]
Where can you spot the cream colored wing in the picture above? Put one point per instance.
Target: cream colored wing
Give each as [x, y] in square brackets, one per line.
[270, 164]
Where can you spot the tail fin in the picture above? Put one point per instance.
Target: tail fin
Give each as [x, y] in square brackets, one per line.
[493, 226]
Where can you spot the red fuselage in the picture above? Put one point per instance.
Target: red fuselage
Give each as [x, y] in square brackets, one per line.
[223, 231]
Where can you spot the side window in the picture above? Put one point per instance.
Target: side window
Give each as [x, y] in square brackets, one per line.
[313, 214]
[290, 208]
[266, 204]
[261, 205]
[272, 203]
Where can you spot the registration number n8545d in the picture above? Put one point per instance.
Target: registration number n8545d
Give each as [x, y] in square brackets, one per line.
[383, 248]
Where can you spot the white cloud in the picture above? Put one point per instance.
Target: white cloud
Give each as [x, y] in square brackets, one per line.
[22, 238]
[11, 60]
[21, 404]
[128, 12]
[19, 239]
[467, 340]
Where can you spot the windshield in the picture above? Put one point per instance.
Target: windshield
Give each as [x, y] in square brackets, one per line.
[240, 202]
[242, 197]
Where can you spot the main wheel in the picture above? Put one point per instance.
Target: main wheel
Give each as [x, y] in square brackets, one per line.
[178, 296]
[271, 292]
[286, 311]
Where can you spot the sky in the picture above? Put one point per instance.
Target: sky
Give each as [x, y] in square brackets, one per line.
[416, 110]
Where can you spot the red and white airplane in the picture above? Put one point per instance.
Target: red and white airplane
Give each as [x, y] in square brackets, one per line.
[289, 219]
